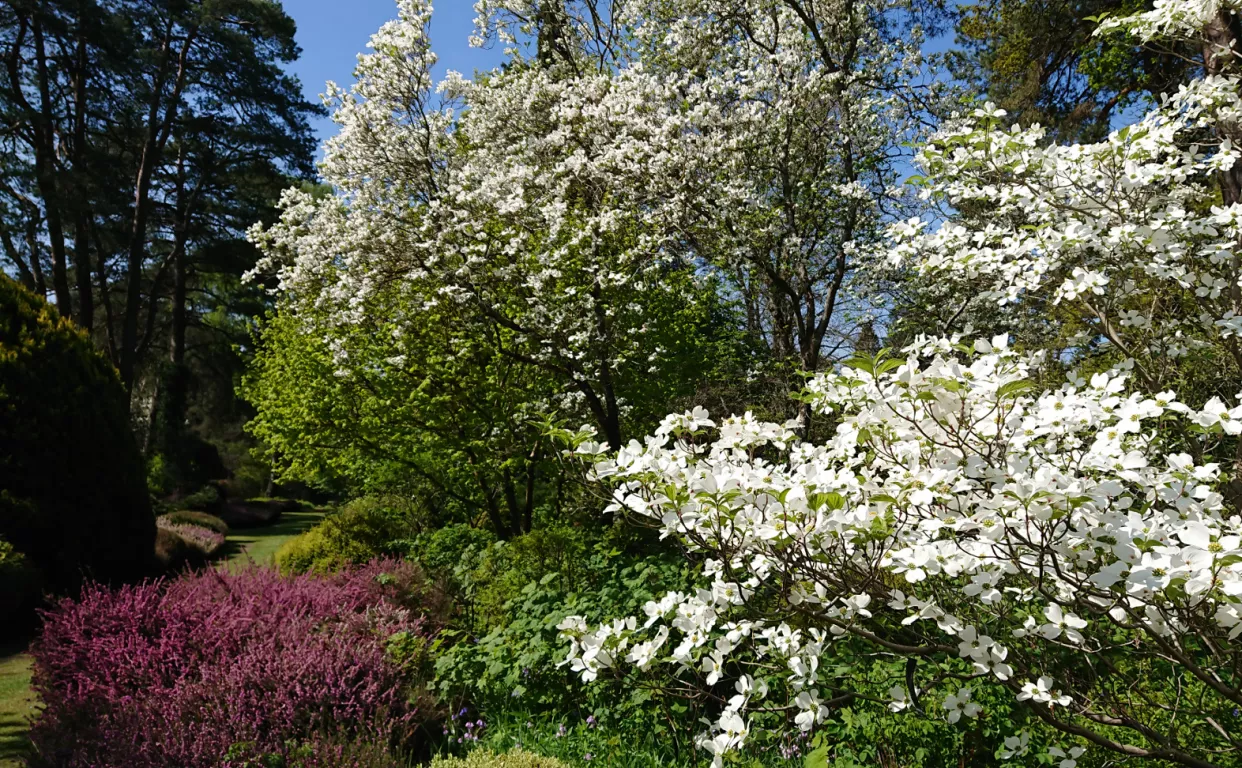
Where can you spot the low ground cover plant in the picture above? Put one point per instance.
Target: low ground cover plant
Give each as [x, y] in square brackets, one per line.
[484, 759]
[187, 672]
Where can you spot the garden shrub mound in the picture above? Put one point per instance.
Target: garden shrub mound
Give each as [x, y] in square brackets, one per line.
[485, 759]
[254, 513]
[201, 519]
[182, 673]
[73, 495]
[365, 528]
[205, 542]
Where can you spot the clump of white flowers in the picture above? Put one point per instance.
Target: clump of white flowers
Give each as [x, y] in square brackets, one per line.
[954, 517]
[1127, 236]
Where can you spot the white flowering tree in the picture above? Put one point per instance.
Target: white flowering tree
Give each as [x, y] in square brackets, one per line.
[1132, 241]
[801, 111]
[1068, 550]
[583, 207]
[1045, 545]
[538, 202]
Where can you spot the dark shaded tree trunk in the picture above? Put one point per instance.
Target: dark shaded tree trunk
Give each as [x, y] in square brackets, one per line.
[81, 228]
[45, 173]
[157, 133]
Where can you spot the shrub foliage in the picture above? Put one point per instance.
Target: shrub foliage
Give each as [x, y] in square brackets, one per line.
[185, 673]
[365, 528]
[73, 494]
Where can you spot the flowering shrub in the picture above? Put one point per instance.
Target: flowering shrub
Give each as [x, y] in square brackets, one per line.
[1050, 546]
[206, 541]
[185, 673]
[201, 519]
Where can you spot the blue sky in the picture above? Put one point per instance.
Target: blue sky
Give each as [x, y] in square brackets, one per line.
[333, 32]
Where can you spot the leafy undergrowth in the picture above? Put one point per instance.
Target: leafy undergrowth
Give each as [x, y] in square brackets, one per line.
[587, 743]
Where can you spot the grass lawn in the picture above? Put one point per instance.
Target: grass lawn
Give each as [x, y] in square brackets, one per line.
[259, 545]
[17, 702]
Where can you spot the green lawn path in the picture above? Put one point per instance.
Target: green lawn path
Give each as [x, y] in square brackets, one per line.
[17, 701]
[259, 545]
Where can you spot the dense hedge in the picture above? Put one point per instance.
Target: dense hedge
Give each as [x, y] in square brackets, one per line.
[73, 494]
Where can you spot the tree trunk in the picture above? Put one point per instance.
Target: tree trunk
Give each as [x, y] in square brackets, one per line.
[32, 245]
[23, 271]
[81, 229]
[158, 131]
[45, 173]
[105, 297]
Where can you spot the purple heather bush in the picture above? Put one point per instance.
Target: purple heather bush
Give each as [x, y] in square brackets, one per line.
[220, 669]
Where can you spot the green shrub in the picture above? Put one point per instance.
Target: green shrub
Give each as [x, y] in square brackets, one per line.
[20, 585]
[365, 528]
[205, 499]
[172, 552]
[73, 491]
[507, 653]
[201, 519]
[485, 759]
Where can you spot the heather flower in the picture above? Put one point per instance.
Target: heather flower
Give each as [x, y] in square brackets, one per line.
[179, 673]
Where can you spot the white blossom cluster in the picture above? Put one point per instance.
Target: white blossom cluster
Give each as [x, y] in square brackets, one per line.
[550, 201]
[1128, 234]
[952, 512]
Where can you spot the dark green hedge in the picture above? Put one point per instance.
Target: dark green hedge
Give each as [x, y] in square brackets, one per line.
[73, 494]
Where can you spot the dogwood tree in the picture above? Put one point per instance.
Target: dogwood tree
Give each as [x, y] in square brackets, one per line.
[1069, 548]
[1132, 241]
[1046, 545]
[540, 203]
[586, 205]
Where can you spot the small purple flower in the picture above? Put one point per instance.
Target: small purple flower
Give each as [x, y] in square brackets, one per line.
[560, 731]
[587, 757]
[590, 721]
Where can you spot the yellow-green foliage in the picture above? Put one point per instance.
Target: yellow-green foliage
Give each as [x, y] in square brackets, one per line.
[364, 529]
[73, 492]
[484, 759]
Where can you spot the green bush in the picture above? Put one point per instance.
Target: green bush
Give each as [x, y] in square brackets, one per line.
[205, 499]
[172, 552]
[513, 594]
[365, 528]
[201, 519]
[485, 759]
[20, 585]
[73, 490]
